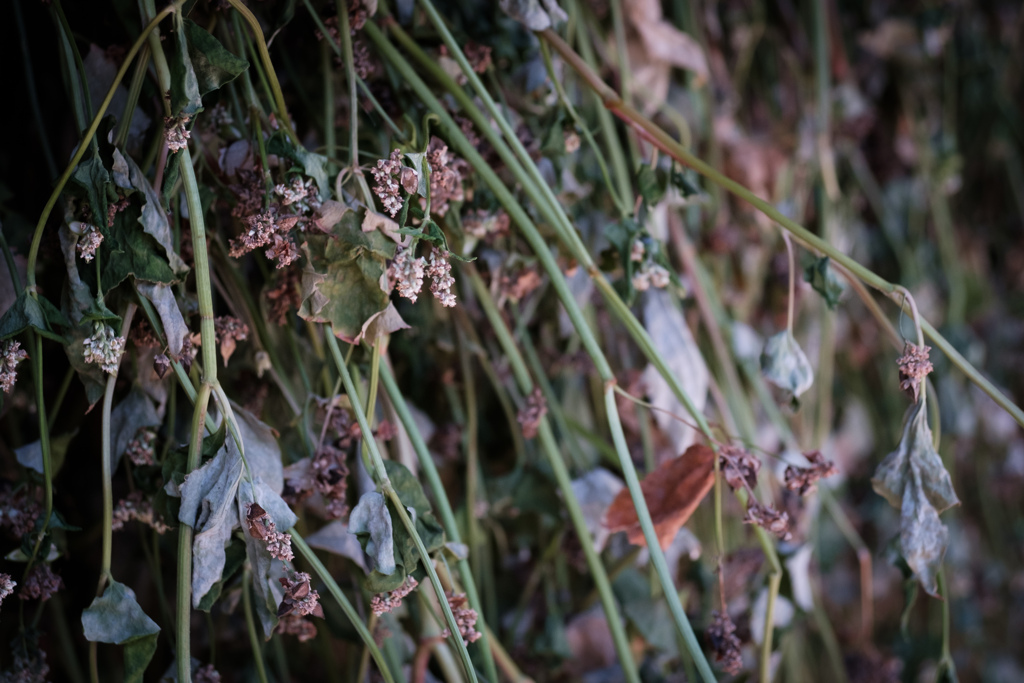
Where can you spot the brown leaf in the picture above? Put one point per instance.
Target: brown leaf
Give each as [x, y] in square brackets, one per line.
[672, 491]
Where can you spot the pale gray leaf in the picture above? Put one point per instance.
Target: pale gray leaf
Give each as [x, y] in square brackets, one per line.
[100, 71]
[371, 517]
[536, 15]
[31, 455]
[336, 538]
[595, 491]
[674, 342]
[784, 364]
[116, 617]
[264, 578]
[162, 296]
[923, 538]
[80, 295]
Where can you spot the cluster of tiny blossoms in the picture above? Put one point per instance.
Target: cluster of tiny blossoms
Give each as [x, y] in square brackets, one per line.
[11, 355]
[136, 508]
[7, 585]
[41, 583]
[89, 239]
[301, 195]
[279, 544]
[465, 618]
[104, 348]
[265, 229]
[440, 272]
[175, 132]
[386, 177]
[388, 602]
[649, 274]
[407, 273]
[140, 449]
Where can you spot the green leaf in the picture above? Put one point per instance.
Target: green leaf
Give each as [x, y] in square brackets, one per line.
[93, 180]
[214, 66]
[341, 283]
[652, 187]
[914, 481]
[128, 251]
[116, 617]
[37, 313]
[784, 364]
[825, 281]
[314, 165]
[153, 218]
[185, 96]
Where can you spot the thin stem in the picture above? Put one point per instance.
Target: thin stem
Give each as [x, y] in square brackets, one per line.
[389, 492]
[668, 145]
[792, 282]
[250, 624]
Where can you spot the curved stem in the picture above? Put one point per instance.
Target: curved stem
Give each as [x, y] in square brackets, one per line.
[792, 282]
[663, 141]
[37, 236]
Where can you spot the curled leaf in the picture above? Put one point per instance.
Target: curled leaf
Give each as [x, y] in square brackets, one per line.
[672, 491]
[784, 364]
[370, 521]
[913, 479]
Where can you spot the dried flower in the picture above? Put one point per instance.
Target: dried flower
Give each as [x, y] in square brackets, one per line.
[465, 618]
[386, 186]
[104, 348]
[115, 208]
[362, 59]
[250, 191]
[293, 192]
[298, 626]
[481, 224]
[357, 15]
[530, 416]
[768, 518]
[479, 56]
[175, 132]
[89, 239]
[28, 666]
[7, 585]
[137, 508]
[206, 674]
[330, 478]
[18, 512]
[299, 597]
[141, 335]
[739, 467]
[803, 479]
[140, 449]
[651, 275]
[445, 179]
[260, 231]
[384, 603]
[331, 25]
[261, 526]
[572, 141]
[724, 643]
[229, 332]
[284, 298]
[283, 250]
[11, 355]
[41, 583]
[440, 272]
[407, 273]
[914, 367]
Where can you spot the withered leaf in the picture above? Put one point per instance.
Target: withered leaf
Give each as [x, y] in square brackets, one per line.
[672, 491]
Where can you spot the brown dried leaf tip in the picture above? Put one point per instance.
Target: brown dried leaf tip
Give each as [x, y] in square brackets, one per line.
[724, 643]
[465, 618]
[229, 332]
[914, 367]
[739, 467]
[532, 413]
[279, 545]
[803, 479]
[768, 518]
[383, 603]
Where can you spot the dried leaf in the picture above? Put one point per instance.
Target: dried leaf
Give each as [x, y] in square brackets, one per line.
[162, 296]
[370, 521]
[663, 41]
[536, 15]
[784, 364]
[825, 282]
[672, 491]
[116, 617]
[595, 491]
[913, 479]
[381, 324]
[337, 538]
[674, 342]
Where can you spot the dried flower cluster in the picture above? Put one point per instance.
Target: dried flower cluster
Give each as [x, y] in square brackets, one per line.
[249, 191]
[104, 348]
[479, 56]
[11, 355]
[113, 209]
[445, 178]
[440, 272]
[7, 585]
[206, 674]
[386, 182]
[724, 643]
[137, 508]
[804, 479]
[651, 275]
[484, 225]
[362, 59]
[914, 367]
[18, 512]
[465, 618]
[229, 331]
[302, 195]
[141, 335]
[284, 297]
[384, 603]
[41, 583]
[89, 239]
[407, 273]
[768, 518]
[265, 229]
[140, 449]
[299, 597]
[298, 626]
[530, 416]
[261, 526]
[739, 467]
[176, 133]
[27, 667]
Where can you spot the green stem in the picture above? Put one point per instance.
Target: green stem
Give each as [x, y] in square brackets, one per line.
[385, 484]
[444, 508]
[346, 606]
[185, 534]
[250, 624]
[668, 145]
